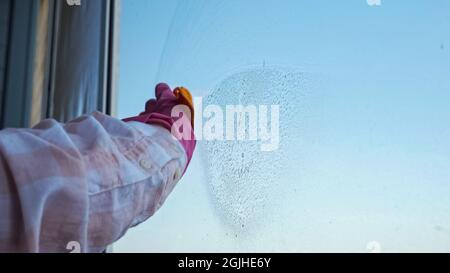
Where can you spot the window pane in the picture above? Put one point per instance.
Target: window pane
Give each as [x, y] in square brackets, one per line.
[363, 90]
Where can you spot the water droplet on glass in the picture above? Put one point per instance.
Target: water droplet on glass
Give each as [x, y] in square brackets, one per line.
[245, 182]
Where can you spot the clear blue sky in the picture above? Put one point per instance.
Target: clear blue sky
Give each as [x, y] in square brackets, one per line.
[375, 140]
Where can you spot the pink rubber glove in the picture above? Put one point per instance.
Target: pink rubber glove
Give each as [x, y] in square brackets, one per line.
[159, 111]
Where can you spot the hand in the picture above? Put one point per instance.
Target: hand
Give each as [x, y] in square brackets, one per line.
[166, 100]
[159, 112]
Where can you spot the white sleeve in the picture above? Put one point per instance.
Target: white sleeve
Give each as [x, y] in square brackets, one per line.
[85, 182]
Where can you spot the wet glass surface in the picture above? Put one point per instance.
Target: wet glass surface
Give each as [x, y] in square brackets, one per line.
[364, 149]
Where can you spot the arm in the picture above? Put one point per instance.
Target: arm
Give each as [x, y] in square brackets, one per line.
[86, 181]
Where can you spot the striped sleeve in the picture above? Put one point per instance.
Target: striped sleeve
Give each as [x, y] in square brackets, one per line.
[85, 182]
